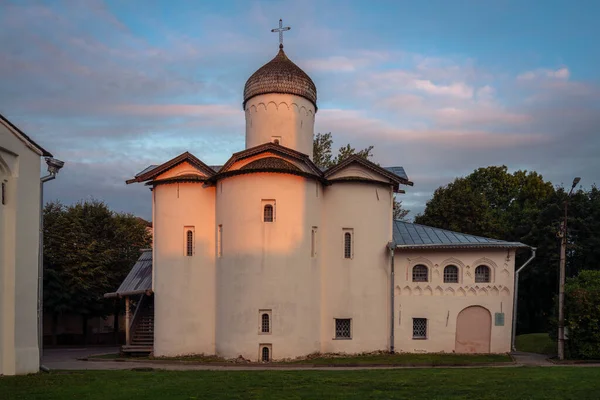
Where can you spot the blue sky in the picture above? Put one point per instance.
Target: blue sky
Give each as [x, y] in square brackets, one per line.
[439, 87]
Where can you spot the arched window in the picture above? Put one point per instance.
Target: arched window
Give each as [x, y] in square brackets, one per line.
[190, 243]
[451, 274]
[420, 273]
[482, 274]
[347, 245]
[265, 354]
[265, 325]
[268, 213]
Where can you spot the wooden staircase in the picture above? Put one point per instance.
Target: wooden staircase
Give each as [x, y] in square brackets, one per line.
[142, 328]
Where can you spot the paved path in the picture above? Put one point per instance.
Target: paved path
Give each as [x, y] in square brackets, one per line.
[67, 358]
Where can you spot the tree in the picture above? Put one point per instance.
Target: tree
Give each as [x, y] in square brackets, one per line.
[323, 158]
[88, 251]
[582, 315]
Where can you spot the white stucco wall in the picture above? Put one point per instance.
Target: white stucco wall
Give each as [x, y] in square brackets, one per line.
[288, 117]
[268, 265]
[441, 302]
[356, 288]
[184, 286]
[19, 246]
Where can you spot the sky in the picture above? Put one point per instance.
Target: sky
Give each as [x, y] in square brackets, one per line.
[438, 87]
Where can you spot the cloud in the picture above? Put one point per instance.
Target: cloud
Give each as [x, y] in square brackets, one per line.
[561, 73]
[458, 89]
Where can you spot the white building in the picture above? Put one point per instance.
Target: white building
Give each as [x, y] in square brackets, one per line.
[269, 257]
[19, 249]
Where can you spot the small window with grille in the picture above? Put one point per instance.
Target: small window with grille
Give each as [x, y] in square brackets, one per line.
[420, 273]
[188, 241]
[343, 328]
[451, 274]
[265, 356]
[482, 274]
[265, 323]
[268, 210]
[348, 243]
[419, 328]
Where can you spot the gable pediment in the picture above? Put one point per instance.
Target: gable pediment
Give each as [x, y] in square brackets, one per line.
[185, 164]
[267, 161]
[355, 170]
[183, 169]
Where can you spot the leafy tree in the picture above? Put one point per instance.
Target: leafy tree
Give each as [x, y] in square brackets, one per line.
[323, 158]
[88, 251]
[582, 315]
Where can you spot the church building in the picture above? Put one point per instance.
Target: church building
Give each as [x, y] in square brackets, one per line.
[269, 257]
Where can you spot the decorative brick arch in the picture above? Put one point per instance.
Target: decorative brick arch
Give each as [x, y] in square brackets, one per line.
[488, 263]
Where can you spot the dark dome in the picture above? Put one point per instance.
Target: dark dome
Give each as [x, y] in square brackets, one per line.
[280, 75]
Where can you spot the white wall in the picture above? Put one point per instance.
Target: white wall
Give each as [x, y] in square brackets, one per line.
[356, 288]
[441, 302]
[19, 237]
[283, 115]
[184, 286]
[268, 266]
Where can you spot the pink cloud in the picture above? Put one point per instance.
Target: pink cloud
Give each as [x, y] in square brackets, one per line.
[561, 73]
[459, 90]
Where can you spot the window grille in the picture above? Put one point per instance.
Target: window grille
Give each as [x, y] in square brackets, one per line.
[482, 274]
[190, 243]
[268, 213]
[419, 328]
[451, 274]
[347, 245]
[265, 323]
[265, 354]
[342, 328]
[420, 273]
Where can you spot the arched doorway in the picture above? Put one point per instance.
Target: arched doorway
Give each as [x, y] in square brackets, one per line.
[473, 330]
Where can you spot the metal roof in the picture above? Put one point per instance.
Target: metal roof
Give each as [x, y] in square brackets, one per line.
[397, 171]
[139, 279]
[408, 235]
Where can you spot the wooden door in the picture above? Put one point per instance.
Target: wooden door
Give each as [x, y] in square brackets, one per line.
[473, 330]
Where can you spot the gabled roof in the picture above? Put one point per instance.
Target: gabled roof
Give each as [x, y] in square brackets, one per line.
[24, 138]
[390, 173]
[271, 148]
[415, 236]
[154, 171]
[139, 279]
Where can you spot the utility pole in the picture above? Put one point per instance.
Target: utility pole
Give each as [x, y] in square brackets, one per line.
[561, 284]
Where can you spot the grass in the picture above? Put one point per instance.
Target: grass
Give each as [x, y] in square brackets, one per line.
[536, 343]
[363, 359]
[477, 383]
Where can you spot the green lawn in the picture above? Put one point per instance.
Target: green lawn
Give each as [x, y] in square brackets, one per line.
[536, 343]
[366, 359]
[471, 383]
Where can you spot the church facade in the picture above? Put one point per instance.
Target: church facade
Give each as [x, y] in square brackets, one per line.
[270, 257]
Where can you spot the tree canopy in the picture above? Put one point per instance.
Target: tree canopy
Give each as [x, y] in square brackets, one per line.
[323, 157]
[88, 251]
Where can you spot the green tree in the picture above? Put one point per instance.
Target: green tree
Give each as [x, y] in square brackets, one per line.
[582, 315]
[88, 251]
[323, 158]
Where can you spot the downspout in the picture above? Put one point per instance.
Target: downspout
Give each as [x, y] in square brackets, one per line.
[40, 309]
[515, 300]
[391, 246]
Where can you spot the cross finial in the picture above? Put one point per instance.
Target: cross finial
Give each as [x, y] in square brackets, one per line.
[281, 29]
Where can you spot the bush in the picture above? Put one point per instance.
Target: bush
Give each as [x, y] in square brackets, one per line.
[582, 315]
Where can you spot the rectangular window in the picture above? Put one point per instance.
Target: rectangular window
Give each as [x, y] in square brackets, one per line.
[188, 241]
[313, 242]
[220, 241]
[343, 328]
[348, 238]
[419, 328]
[268, 210]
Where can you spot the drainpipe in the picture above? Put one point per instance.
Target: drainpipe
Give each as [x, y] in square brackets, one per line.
[391, 246]
[53, 167]
[515, 300]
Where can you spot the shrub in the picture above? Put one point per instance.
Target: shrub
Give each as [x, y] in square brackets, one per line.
[582, 315]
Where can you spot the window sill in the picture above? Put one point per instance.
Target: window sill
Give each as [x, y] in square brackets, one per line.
[264, 333]
[419, 338]
[341, 338]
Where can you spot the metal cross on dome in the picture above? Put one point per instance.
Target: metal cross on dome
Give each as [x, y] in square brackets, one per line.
[281, 29]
